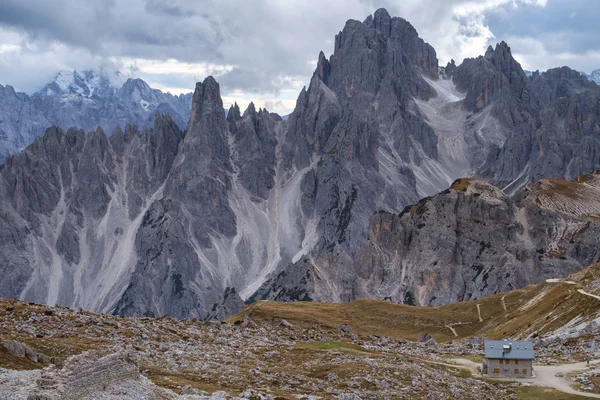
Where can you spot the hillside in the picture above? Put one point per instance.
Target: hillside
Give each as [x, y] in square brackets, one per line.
[536, 310]
[351, 197]
[289, 350]
[109, 357]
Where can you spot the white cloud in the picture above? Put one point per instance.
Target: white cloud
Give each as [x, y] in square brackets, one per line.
[264, 50]
[532, 54]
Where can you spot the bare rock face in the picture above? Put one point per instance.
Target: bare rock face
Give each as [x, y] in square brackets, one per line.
[466, 243]
[541, 131]
[247, 207]
[253, 148]
[88, 376]
[20, 349]
[230, 305]
[87, 100]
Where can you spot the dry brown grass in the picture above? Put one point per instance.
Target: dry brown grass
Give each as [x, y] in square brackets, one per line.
[175, 381]
[462, 184]
[534, 309]
[563, 188]
[9, 361]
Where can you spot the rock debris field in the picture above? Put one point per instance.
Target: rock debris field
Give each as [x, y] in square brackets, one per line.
[52, 353]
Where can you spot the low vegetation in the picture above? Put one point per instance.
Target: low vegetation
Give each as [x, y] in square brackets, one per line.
[528, 312]
[462, 184]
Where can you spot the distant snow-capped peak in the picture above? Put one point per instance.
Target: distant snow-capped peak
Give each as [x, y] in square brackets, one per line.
[594, 76]
[86, 83]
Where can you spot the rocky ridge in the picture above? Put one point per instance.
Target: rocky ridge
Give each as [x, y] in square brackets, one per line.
[248, 206]
[189, 359]
[86, 100]
[465, 243]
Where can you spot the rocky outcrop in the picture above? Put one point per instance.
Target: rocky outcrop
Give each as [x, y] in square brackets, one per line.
[466, 243]
[541, 133]
[254, 149]
[20, 349]
[228, 306]
[89, 376]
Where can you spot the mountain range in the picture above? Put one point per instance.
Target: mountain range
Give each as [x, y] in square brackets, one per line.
[89, 99]
[356, 195]
[594, 76]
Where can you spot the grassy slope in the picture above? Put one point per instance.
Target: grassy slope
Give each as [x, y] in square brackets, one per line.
[538, 308]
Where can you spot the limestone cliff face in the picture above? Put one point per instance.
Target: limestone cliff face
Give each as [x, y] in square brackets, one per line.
[465, 243]
[547, 124]
[191, 223]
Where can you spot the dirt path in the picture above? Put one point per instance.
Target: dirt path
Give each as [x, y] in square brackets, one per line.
[503, 303]
[588, 294]
[545, 375]
[479, 312]
[556, 280]
[452, 329]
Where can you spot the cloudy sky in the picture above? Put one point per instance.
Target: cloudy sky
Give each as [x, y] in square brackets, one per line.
[266, 50]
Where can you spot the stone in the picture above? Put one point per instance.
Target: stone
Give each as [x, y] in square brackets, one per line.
[286, 324]
[22, 350]
[424, 337]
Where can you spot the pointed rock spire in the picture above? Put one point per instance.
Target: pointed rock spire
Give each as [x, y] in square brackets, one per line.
[207, 99]
[233, 116]
[234, 112]
[323, 68]
[382, 21]
[251, 110]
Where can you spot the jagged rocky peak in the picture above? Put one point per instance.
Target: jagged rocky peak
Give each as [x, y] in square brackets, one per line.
[254, 150]
[85, 99]
[323, 68]
[250, 111]
[594, 76]
[486, 77]
[557, 83]
[206, 100]
[233, 116]
[420, 53]
[137, 90]
[234, 113]
[386, 48]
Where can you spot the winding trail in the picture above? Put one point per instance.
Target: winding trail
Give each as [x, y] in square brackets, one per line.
[555, 280]
[503, 303]
[479, 312]
[451, 327]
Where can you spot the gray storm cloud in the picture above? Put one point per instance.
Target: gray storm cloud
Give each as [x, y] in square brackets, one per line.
[263, 46]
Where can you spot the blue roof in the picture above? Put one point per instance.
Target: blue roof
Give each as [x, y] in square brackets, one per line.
[511, 349]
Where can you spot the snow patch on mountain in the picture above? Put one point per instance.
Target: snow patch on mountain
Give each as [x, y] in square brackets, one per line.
[594, 76]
